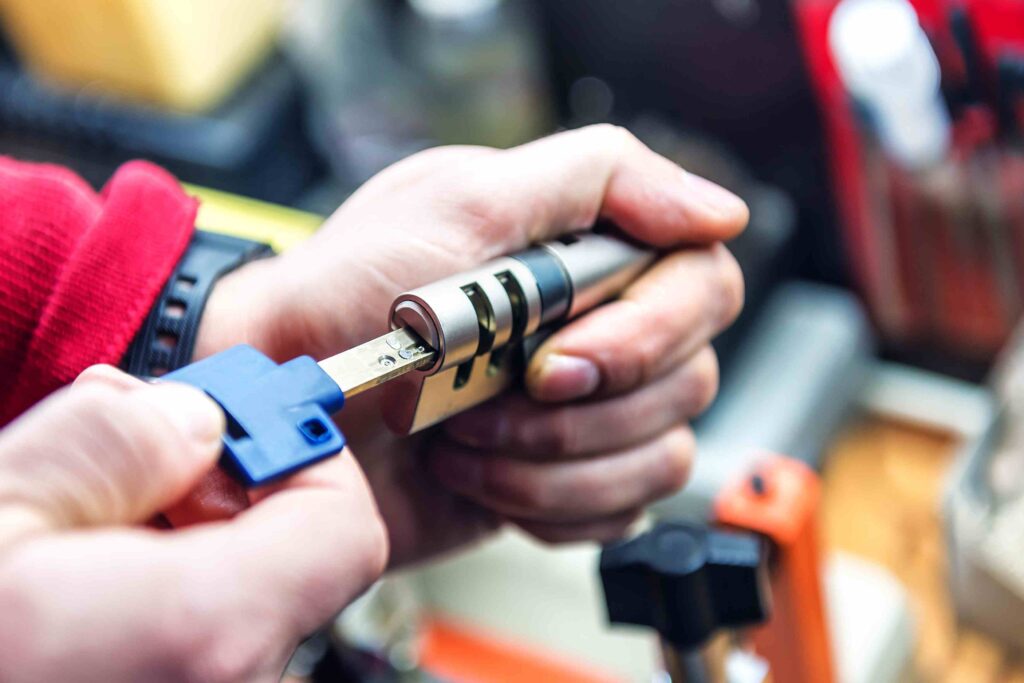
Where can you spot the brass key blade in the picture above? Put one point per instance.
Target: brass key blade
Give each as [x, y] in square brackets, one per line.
[378, 361]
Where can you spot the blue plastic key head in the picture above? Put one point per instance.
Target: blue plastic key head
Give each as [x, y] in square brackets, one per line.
[278, 416]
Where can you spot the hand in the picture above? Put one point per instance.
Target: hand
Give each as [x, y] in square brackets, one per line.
[602, 430]
[88, 593]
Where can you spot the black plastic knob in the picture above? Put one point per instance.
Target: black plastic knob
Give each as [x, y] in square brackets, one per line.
[686, 582]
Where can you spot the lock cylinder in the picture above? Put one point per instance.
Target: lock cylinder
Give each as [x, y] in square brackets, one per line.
[508, 299]
[472, 314]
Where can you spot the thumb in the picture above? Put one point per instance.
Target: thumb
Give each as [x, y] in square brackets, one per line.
[99, 453]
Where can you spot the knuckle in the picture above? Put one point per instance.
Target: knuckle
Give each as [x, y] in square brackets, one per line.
[701, 382]
[363, 549]
[730, 286]
[490, 221]
[18, 620]
[528, 435]
[425, 166]
[593, 485]
[677, 460]
[93, 373]
[113, 442]
[557, 436]
[182, 633]
[199, 642]
[378, 547]
[221, 660]
[612, 135]
[647, 358]
[549, 536]
[518, 484]
[635, 362]
[613, 531]
[107, 418]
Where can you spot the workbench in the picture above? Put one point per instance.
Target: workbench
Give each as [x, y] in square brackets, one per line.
[883, 484]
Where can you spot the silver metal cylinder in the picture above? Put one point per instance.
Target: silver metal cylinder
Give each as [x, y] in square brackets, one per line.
[475, 320]
[471, 313]
[444, 315]
[598, 266]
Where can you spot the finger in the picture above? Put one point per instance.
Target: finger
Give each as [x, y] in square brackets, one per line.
[218, 496]
[121, 456]
[319, 539]
[567, 181]
[604, 530]
[210, 499]
[108, 375]
[675, 308]
[520, 427]
[568, 491]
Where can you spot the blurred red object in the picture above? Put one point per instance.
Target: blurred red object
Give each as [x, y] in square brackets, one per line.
[932, 272]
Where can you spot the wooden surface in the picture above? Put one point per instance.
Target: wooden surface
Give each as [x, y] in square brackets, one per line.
[882, 489]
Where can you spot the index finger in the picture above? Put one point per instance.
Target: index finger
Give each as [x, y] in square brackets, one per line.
[669, 313]
[569, 180]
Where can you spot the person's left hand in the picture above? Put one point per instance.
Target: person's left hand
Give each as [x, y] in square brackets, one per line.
[602, 430]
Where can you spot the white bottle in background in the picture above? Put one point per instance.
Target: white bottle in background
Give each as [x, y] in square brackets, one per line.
[888, 65]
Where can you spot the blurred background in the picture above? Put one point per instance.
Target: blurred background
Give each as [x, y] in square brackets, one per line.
[879, 144]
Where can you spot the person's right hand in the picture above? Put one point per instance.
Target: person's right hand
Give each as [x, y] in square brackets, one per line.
[88, 593]
[602, 428]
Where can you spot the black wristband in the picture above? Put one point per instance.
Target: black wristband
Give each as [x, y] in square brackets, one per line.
[168, 336]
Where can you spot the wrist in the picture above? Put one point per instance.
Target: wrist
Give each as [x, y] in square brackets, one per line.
[288, 306]
[260, 305]
[236, 312]
[176, 331]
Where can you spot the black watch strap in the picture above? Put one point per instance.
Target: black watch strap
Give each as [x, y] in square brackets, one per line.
[168, 336]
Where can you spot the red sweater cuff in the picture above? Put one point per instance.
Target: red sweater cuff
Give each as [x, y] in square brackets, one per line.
[79, 271]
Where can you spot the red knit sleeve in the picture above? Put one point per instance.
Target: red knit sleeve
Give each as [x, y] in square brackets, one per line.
[79, 271]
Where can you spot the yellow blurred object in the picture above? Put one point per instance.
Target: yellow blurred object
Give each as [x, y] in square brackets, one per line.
[183, 54]
[279, 226]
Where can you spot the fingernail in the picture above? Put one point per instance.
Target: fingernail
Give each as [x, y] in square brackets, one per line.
[190, 410]
[478, 428]
[715, 197]
[563, 378]
[461, 473]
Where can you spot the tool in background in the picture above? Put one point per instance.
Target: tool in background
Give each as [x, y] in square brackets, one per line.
[467, 335]
[779, 502]
[690, 584]
[975, 88]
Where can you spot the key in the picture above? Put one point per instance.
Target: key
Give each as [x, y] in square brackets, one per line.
[279, 416]
[371, 364]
